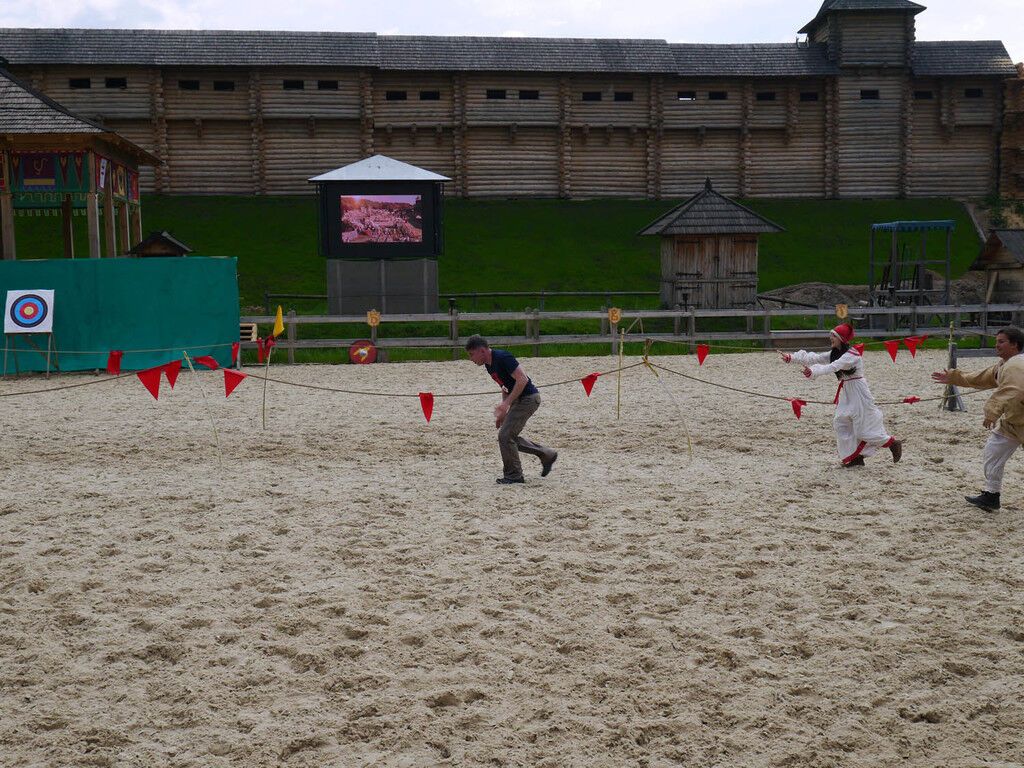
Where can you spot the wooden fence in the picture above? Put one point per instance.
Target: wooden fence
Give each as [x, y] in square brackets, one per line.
[981, 320]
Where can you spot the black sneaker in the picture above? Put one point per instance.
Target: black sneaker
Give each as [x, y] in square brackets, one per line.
[510, 480]
[546, 465]
[858, 462]
[985, 500]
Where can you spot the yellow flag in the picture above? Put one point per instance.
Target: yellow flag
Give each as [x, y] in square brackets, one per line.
[278, 322]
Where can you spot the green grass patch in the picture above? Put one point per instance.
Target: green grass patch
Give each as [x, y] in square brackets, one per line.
[520, 245]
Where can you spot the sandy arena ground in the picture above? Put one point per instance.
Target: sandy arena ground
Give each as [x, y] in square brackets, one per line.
[351, 588]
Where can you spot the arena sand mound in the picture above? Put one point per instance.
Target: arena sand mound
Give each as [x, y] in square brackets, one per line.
[351, 588]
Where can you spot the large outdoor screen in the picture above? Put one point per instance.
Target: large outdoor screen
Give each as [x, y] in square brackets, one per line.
[381, 218]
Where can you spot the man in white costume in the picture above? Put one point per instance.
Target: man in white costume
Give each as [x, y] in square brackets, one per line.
[858, 422]
[1005, 406]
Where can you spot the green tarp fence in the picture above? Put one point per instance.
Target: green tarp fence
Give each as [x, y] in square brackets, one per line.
[153, 309]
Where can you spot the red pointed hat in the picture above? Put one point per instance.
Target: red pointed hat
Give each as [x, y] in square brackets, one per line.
[844, 331]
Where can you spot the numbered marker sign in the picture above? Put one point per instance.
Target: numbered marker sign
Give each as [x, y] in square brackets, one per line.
[29, 312]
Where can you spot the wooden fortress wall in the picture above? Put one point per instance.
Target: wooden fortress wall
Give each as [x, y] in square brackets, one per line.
[872, 131]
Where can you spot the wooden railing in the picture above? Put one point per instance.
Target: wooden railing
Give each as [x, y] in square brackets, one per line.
[968, 320]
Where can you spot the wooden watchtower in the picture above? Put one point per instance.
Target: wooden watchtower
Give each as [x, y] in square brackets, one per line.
[709, 252]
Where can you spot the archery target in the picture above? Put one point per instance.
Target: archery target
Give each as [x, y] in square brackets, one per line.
[29, 312]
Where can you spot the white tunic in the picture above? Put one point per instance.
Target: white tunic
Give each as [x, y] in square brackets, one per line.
[858, 421]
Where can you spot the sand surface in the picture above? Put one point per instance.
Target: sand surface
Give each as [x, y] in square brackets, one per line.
[351, 588]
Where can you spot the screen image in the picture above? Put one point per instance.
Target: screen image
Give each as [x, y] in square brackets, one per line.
[381, 219]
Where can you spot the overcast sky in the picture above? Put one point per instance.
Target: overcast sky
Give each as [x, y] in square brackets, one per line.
[681, 21]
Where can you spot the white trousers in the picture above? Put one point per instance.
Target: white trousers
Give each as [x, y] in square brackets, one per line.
[998, 451]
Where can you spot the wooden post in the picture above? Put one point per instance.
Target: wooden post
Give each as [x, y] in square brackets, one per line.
[92, 215]
[92, 208]
[767, 329]
[126, 229]
[677, 321]
[614, 331]
[536, 332]
[604, 320]
[691, 329]
[453, 330]
[108, 214]
[136, 224]
[67, 227]
[292, 335]
[7, 225]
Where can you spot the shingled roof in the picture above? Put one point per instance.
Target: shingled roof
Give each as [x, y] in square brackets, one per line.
[709, 213]
[753, 60]
[26, 112]
[160, 47]
[524, 54]
[964, 57]
[23, 110]
[1010, 239]
[152, 47]
[860, 5]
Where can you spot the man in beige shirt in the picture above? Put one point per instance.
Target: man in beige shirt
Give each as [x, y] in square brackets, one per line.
[1004, 411]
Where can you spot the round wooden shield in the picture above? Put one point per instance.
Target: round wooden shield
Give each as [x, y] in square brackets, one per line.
[362, 352]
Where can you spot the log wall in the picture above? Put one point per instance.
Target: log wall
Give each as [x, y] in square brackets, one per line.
[875, 39]
[868, 136]
[1012, 139]
[257, 137]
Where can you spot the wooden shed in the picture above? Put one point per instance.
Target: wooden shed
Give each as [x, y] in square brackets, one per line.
[709, 252]
[160, 244]
[1002, 259]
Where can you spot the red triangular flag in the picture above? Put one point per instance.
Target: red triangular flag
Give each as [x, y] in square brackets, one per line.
[231, 380]
[893, 347]
[208, 361]
[702, 352]
[588, 382]
[114, 362]
[234, 352]
[797, 405]
[172, 369]
[912, 399]
[912, 342]
[150, 379]
[859, 348]
[427, 404]
[259, 350]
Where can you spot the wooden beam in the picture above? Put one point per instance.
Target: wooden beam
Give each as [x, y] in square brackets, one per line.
[7, 225]
[366, 115]
[92, 215]
[108, 213]
[136, 224]
[158, 118]
[126, 228]
[257, 133]
[67, 226]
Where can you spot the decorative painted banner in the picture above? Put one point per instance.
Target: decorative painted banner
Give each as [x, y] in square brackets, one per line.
[29, 312]
[43, 179]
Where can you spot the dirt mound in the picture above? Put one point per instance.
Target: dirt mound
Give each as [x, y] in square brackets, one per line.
[969, 289]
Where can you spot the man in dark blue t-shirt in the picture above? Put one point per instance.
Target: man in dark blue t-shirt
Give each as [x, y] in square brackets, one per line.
[520, 400]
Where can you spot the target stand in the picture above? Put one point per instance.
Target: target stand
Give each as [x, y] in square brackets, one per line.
[49, 353]
[26, 315]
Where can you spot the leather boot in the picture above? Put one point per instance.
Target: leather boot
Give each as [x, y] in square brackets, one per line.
[985, 500]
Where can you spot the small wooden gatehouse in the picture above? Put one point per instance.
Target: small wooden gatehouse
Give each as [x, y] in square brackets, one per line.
[1002, 259]
[709, 252]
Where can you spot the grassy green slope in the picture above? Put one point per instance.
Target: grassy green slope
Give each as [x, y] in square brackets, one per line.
[508, 245]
